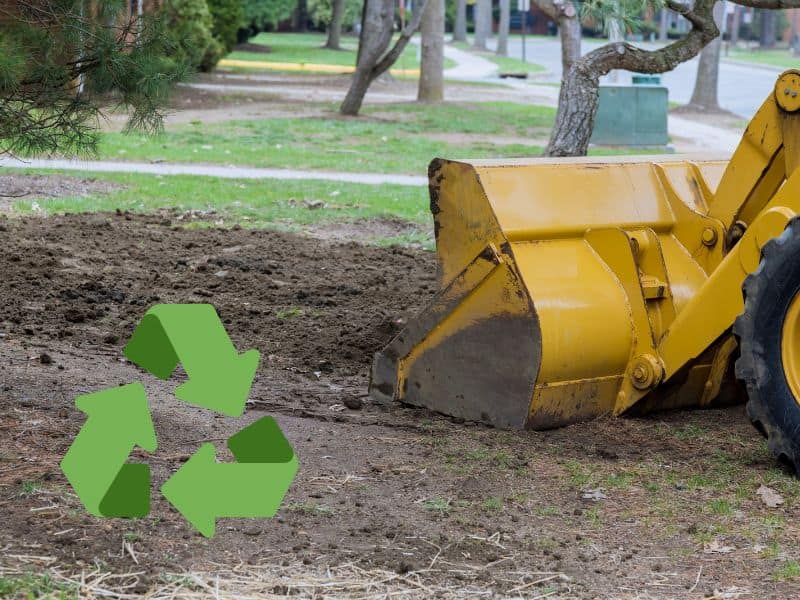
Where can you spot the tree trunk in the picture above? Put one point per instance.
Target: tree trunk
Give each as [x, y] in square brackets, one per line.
[335, 26]
[569, 28]
[503, 26]
[663, 25]
[704, 96]
[300, 20]
[483, 23]
[460, 27]
[377, 27]
[431, 75]
[578, 98]
[768, 27]
[736, 24]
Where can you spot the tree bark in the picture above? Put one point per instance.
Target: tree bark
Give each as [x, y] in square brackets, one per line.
[503, 26]
[300, 20]
[431, 75]
[569, 28]
[373, 57]
[460, 27]
[335, 26]
[768, 26]
[578, 98]
[483, 23]
[704, 96]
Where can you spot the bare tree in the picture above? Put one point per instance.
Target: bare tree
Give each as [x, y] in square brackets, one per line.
[503, 26]
[335, 26]
[563, 12]
[431, 75]
[483, 23]
[704, 96]
[460, 27]
[374, 55]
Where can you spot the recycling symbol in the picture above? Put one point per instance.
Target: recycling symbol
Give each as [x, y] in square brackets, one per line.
[219, 379]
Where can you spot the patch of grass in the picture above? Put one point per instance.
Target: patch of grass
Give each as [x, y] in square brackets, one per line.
[289, 313]
[492, 504]
[309, 48]
[311, 508]
[782, 58]
[437, 505]
[251, 203]
[546, 511]
[579, 475]
[619, 480]
[396, 141]
[690, 432]
[28, 488]
[593, 516]
[789, 570]
[34, 585]
[721, 507]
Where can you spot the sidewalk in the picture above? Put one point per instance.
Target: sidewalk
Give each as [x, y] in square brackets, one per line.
[209, 171]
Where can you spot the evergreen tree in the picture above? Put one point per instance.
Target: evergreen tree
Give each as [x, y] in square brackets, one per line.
[60, 60]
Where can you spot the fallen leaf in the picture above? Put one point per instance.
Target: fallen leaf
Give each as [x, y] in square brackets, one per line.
[769, 496]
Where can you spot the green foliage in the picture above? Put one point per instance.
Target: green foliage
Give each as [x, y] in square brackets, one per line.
[321, 11]
[226, 16]
[57, 60]
[629, 13]
[264, 15]
[189, 26]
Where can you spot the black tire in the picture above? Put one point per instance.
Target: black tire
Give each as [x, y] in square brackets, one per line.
[768, 293]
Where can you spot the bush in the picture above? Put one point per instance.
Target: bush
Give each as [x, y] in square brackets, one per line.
[321, 11]
[261, 15]
[189, 24]
[226, 16]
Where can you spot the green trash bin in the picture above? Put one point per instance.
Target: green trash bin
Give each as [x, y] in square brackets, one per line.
[632, 115]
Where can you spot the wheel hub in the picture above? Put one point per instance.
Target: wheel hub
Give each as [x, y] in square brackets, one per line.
[790, 347]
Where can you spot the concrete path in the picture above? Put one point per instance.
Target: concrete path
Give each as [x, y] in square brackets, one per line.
[209, 171]
[469, 66]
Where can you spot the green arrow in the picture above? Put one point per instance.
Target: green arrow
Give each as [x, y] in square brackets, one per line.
[119, 419]
[192, 334]
[203, 489]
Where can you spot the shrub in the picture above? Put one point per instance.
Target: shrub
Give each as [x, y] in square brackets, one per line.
[189, 26]
[226, 16]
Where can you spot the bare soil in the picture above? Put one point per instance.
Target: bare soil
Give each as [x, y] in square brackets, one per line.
[388, 500]
[16, 186]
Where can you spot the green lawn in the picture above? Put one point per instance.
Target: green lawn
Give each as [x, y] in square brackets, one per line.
[781, 58]
[505, 64]
[388, 139]
[285, 205]
[307, 48]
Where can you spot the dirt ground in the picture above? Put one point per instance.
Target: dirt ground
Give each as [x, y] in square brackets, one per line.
[388, 500]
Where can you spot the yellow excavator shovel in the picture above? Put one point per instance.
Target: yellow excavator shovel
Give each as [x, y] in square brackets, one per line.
[573, 288]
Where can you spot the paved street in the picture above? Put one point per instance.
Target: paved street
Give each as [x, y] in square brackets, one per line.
[742, 88]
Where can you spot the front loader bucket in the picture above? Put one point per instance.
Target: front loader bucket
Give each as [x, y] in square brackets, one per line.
[533, 325]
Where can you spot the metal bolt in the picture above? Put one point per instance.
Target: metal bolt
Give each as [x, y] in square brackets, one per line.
[794, 94]
[709, 236]
[786, 91]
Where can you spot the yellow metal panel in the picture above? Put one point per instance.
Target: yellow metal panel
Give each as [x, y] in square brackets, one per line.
[536, 201]
[583, 312]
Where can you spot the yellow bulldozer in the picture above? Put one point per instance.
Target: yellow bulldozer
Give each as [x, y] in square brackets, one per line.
[574, 288]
